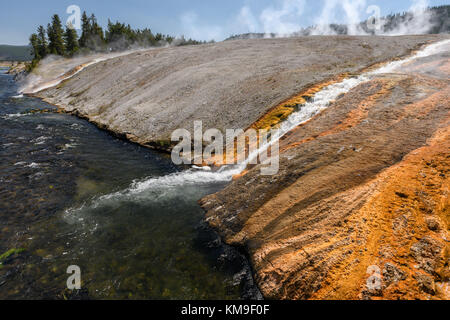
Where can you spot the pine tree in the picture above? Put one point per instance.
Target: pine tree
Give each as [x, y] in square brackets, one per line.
[55, 35]
[92, 36]
[96, 30]
[118, 36]
[51, 37]
[85, 30]
[42, 42]
[34, 41]
[71, 41]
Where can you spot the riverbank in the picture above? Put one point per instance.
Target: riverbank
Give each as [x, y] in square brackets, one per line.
[14, 67]
[6, 64]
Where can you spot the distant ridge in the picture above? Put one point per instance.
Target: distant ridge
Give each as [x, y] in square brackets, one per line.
[15, 53]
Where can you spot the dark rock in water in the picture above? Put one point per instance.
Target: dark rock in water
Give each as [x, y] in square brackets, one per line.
[232, 261]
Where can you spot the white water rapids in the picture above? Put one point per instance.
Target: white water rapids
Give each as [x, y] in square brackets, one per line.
[160, 186]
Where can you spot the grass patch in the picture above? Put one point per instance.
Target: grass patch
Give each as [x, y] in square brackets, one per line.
[8, 254]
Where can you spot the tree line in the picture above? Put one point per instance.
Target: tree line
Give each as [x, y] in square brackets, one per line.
[57, 40]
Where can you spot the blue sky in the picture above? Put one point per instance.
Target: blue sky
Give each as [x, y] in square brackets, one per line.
[200, 19]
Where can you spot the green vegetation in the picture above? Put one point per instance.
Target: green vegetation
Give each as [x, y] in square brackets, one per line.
[55, 32]
[92, 36]
[71, 41]
[118, 36]
[8, 254]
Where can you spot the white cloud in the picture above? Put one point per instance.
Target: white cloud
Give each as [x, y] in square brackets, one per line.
[194, 29]
[283, 20]
[247, 20]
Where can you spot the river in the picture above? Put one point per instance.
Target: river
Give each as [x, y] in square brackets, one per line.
[72, 194]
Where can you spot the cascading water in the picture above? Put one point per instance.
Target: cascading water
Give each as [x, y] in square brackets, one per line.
[320, 102]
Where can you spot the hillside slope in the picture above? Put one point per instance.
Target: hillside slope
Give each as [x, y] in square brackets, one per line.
[360, 207]
[149, 94]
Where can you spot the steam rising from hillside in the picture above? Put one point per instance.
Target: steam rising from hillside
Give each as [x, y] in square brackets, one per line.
[352, 9]
[283, 20]
[287, 18]
[420, 22]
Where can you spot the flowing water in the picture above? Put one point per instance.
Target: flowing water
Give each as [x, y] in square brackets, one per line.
[124, 214]
[60, 182]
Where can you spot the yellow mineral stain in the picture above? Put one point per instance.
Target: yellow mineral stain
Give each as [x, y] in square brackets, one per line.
[416, 189]
[283, 110]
